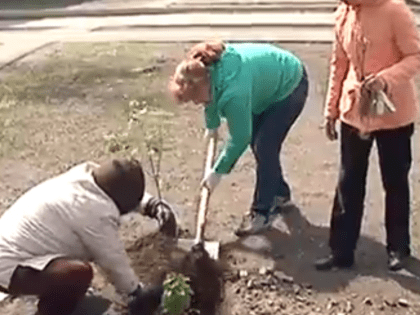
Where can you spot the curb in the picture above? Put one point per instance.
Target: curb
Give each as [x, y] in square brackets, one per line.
[55, 13]
[170, 9]
[212, 25]
[23, 55]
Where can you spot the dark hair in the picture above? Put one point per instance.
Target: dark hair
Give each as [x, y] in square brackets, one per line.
[123, 180]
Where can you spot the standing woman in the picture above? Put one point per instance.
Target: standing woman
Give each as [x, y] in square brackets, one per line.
[260, 90]
[377, 48]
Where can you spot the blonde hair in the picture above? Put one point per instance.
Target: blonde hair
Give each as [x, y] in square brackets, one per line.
[193, 68]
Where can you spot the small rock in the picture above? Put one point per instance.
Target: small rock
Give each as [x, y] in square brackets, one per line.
[349, 307]
[381, 308]
[307, 286]
[282, 277]
[368, 301]
[263, 271]
[403, 303]
[243, 273]
[331, 304]
[250, 284]
[390, 303]
[300, 299]
[264, 283]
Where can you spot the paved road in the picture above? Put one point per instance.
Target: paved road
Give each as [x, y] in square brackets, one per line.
[20, 36]
[258, 20]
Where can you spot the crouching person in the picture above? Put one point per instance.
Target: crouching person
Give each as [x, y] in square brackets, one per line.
[52, 232]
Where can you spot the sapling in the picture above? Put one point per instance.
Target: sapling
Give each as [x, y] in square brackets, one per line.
[177, 294]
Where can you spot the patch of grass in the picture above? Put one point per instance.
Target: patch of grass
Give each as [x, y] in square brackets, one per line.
[75, 70]
[72, 101]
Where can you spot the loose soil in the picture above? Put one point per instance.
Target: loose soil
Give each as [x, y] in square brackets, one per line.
[75, 102]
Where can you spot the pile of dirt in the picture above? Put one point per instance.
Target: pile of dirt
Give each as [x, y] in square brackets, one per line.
[206, 280]
[154, 257]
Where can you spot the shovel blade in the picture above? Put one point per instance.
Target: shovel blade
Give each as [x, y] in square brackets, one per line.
[212, 248]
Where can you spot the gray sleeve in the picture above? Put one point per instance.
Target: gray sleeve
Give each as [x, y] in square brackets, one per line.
[102, 240]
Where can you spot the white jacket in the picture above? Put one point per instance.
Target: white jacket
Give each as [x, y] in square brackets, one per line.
[66, 216]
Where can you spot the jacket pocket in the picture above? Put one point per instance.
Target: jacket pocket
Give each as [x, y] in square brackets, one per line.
[350, 98]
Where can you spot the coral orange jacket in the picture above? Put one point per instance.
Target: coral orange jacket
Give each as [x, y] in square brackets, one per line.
[378, 37]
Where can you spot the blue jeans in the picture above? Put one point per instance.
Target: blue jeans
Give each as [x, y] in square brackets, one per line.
[269, 132]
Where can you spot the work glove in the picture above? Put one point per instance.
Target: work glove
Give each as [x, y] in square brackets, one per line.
[211, 180]
[374, 83]
[145, 301]
[161, 211]
[210, 133]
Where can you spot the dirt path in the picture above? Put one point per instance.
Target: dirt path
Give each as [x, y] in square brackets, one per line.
[269, 274]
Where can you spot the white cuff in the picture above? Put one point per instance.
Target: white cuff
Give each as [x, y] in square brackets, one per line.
[146, 198]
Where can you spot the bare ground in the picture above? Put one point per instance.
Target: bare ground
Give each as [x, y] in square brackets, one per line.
[59, 118]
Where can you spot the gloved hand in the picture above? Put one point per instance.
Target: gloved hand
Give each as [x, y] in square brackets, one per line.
[161, 211]
[145, 301]
[211, 180]
[374, 83]
[210, 133]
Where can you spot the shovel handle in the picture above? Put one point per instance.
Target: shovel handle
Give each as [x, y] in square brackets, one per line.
[205, 192]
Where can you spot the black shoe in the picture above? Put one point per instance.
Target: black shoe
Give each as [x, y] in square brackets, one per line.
[396, 260]
[335, 261]
[145, 301]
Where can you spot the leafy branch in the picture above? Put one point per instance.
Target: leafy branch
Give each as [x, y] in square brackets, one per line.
[177, 296]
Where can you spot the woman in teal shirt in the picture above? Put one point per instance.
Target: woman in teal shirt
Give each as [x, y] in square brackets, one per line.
[260, 89]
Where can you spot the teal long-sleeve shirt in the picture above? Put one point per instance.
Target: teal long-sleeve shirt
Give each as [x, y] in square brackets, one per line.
[246, 80]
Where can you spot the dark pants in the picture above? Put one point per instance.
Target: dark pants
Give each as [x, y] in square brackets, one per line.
[60, 286]
[269, 131]
[394, 150]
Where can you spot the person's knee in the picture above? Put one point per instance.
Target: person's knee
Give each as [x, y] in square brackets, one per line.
[85, 274]
[266, 154]
[69, 272]
[397, 182]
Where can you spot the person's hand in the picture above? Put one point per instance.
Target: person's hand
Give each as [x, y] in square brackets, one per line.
[165, 216]
[145, 301]
[210, 133]
[163, 212]
[374, 83]
[211, 180]
[330, 129]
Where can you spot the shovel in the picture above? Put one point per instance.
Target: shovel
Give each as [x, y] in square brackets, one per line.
[212, 248]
